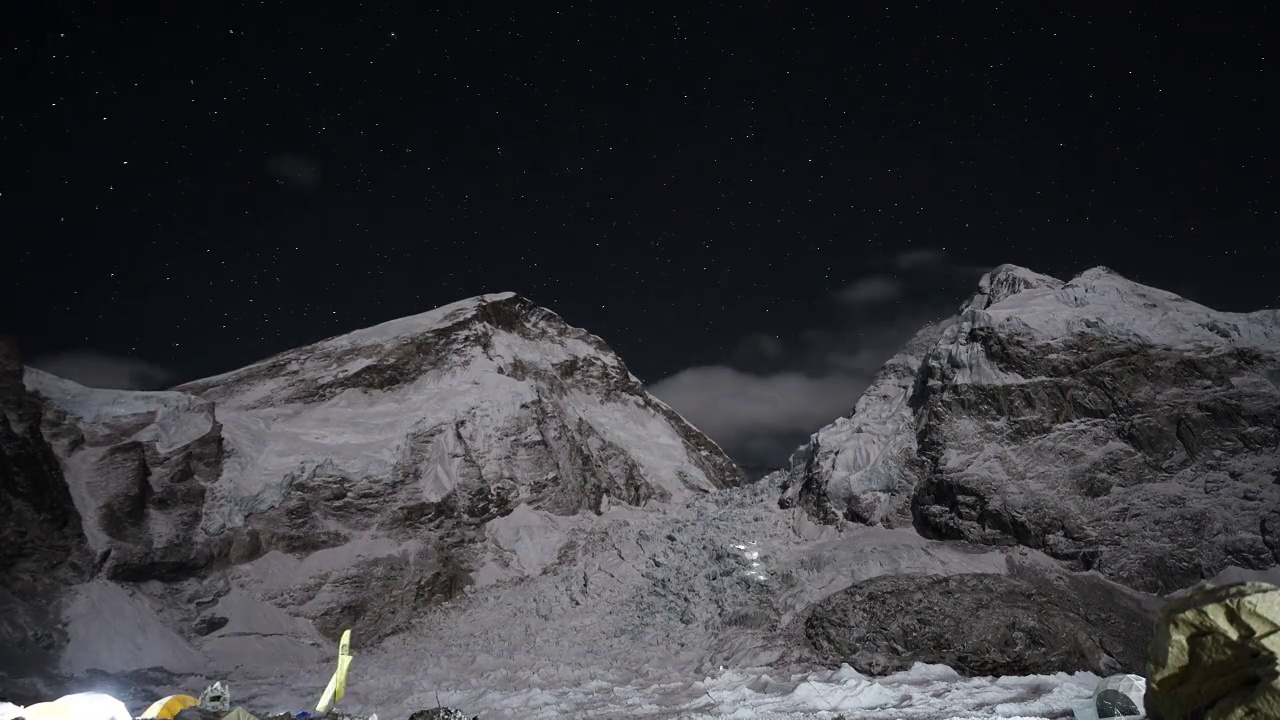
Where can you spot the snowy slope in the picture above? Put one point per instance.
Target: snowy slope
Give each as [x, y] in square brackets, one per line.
[489, 386]
[1101, 420]
[676, 611]
[1100, 302]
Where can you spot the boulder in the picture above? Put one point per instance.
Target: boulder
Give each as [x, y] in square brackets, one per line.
[1214, 655]
[1029, 621]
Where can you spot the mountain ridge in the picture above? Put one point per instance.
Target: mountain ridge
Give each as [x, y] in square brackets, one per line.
[482, 489]
[981, 428]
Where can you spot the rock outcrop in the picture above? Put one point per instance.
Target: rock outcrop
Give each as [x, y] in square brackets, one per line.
[1114, 426]
[1216, 655]
[138, 465]
[41, 544]
[1029, 620]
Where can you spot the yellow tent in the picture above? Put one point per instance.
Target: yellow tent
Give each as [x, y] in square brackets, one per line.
[167, 708]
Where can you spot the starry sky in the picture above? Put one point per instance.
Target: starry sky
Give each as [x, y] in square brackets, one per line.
[762, 197]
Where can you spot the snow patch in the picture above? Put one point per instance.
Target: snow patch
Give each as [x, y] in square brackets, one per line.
[532, 536]
[924, 692]
[115, 629]
[648, 438]
[1099, 301]
[1234, 574]
[277, 572]
[179, 418]
[417, 324]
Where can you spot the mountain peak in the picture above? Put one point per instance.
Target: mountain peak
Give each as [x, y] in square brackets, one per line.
[465, 395]
[1005, 281]
[424, 322]
[1080, 418]
[507, 329]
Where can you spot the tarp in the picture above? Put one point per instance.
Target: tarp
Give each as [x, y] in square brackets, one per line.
[166, 708]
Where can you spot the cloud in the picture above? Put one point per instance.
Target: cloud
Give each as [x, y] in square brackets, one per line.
[934, 260]
[758, 419]
[770, 393]
[760, 409]
[94, 369]
[723, 401]
[870, 290]
[922, 258]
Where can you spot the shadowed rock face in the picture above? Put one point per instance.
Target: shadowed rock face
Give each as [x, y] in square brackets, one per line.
[1028, 621]
[1149, 465]
[146, 492]
[41, 545]
[1113, 426]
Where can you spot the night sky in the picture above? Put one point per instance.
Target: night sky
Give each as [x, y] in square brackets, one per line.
[762, 203]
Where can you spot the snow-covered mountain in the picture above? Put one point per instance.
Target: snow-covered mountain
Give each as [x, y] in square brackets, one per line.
[1114, 426]
[350, 483]
[505, 517]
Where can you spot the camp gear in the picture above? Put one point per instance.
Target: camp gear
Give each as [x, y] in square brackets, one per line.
[216, 697]
[168, 707]
[337, 686]
[1118, 697]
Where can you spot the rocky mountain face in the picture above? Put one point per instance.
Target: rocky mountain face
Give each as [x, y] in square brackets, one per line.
[1113, 426]
[344, 484]
[41, 545]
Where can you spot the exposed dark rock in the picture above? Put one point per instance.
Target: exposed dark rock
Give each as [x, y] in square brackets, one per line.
[1026, 622]
[441, 713]
[1056, 424]
[42, 547]
[384, 595]
[206, 624]
[1108, 457]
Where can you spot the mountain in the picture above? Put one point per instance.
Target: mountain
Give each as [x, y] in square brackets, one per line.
[350, 483]
[510, 524]
[1115, 427]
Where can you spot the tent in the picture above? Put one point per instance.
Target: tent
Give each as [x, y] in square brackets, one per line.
[166, 708]
[1119, 697]
[239, 714]
[80, 706]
